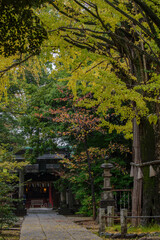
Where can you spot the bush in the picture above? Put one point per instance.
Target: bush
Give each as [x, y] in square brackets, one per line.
[7, 216]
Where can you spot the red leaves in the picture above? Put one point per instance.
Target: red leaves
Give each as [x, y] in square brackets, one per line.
[81, 121]
[122, 148]
[38, 115]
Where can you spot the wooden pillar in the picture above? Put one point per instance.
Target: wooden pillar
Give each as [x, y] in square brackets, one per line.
[21, 183]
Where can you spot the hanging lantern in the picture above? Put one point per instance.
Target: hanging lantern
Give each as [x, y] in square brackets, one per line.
[132, 171]
[44, 189]
[140, 174]
[152, 172]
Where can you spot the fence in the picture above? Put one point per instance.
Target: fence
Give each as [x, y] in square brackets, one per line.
[123, 220]
[123, 199]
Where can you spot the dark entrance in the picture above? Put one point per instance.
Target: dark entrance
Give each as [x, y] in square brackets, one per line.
[40, 191]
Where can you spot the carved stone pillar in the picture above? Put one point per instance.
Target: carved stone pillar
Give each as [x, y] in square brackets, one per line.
[107, 202]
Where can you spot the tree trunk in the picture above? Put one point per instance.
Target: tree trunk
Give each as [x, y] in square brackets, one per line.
[91, 181]
[137, 183]
[150, 145]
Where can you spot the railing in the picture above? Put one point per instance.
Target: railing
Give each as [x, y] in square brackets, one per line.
[123, 220]
[38, 202]
[123, 199]
[124, 227]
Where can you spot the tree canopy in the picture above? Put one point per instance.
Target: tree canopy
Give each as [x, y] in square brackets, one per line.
[111, 49]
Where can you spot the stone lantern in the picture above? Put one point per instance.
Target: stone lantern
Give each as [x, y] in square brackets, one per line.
[107, 201]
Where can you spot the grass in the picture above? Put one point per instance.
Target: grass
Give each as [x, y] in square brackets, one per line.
[10, 235]
[140, 229]
[145, 229]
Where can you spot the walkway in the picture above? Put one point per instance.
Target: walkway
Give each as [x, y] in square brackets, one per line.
[51, 226]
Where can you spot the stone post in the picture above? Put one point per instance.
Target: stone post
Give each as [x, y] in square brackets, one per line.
[107, 202]
[110, 212]
[67, 197]
[63, 198]
[70, 200]
[123, 220]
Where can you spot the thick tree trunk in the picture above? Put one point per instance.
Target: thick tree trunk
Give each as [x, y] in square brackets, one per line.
[150, 148]
[137, 183]
[157, 133]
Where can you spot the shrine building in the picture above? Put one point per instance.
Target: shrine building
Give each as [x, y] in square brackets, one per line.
[36, 183]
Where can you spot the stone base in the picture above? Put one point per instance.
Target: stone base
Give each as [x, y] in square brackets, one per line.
[20, 211]
[66, 211]
[141, 236]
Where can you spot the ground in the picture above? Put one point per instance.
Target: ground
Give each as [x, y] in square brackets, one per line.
[86, 222]
[12, 233]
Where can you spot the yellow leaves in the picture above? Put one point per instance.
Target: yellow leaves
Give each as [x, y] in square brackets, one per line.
[72, 45]
[8, 166]
[12, 166]
[4, 81]
[153, 118]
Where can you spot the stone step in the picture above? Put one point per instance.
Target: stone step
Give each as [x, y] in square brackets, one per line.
[40, 210]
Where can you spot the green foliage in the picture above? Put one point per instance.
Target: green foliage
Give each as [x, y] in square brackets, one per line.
[90, 143]
[121, 178]
[21, 30]
[77, 176]
[110, 50]
[7, 216]
[37, 123]
[8, 185]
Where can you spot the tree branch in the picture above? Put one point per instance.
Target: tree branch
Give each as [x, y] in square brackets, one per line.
[61, 11]
[131, 44]
[68, 15]
[95, 66]
[148, 12]
[77, 67]
[2, 72]
[81, 5]
[79, 29]
[130, 18]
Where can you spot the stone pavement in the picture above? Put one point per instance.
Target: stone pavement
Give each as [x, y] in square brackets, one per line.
[51, 226]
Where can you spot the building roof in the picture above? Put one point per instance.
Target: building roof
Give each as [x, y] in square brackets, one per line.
[51, 156]
[19, 157]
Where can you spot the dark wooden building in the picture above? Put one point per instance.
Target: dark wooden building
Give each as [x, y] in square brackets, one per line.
[37, 183]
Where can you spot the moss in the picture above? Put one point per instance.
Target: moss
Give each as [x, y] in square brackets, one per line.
[147, 142]
[148, 182]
